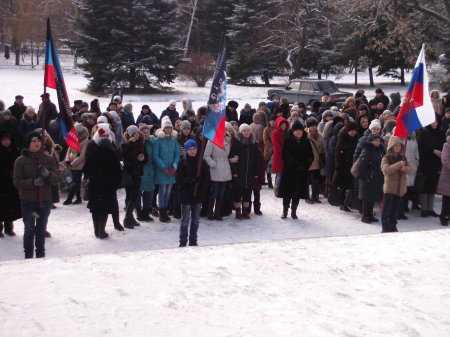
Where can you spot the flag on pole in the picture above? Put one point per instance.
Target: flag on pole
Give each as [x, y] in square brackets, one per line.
[53, 79]
[214, 126]
[417, 110]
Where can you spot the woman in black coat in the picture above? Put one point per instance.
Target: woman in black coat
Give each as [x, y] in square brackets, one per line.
[9, 198]
[370, 177]
[297, 156]
[342, 178]
[245, 172]
[430, 140]
[103, 170]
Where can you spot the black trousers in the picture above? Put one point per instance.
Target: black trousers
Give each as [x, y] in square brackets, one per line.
[132, 199]
[314, 181]
[445, 211]
[391, 204]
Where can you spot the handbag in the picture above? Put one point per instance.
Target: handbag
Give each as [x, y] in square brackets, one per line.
[355, 169]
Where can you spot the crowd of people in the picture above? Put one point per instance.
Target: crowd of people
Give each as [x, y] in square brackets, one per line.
[344, 154]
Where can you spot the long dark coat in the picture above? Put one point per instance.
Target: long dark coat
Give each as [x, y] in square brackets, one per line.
[429, 164]
[371, 179]
[297, 156]
[248, 166]
[103, 170]
[9, 198]
[133, 169]
[345, 149]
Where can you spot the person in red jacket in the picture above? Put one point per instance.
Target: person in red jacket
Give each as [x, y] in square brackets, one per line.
[278, 136]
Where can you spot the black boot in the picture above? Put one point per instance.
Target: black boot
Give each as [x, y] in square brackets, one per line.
[246, 213]
[444, 220]
[9, 228]
[257, 208]
[128, 223]
[95, 222]
[1, 230]
[163, 217]
[218, 211]
[69, 198]
[145, 215]
[78, 201]
[346, 205]
[238, 213]
[294, 210]
[101, 228]
[285, 212]
[269, 181]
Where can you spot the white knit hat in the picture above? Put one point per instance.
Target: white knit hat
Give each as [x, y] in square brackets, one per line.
[102, 120]
[375, 124]
[243, 127]
[166, 123]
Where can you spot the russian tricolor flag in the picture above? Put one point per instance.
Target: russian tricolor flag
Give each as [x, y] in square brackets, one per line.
[53, 79]
[214, 126]
[417, 110]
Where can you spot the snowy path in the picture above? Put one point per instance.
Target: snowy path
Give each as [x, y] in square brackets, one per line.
[380, 285]
[72, 230]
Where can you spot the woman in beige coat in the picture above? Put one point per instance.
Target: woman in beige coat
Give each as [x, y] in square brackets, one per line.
[395, 169]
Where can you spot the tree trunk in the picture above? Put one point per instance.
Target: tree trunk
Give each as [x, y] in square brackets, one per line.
[266, 79]
[17, 51]
[319, 74]
[356, 72]
[372, 83]
[37, 55]
[32, 54]
[132, 78]
[402, 76]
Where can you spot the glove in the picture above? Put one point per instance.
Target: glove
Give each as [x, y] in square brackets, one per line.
[44, 172]
[38, 182]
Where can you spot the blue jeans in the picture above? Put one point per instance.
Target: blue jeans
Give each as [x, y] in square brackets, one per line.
[35, 217]
[190, 215]
[164, 195]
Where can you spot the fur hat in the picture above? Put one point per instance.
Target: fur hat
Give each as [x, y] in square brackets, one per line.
[102, 120]
[166, 123]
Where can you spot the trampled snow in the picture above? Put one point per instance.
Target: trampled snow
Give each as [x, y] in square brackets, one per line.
[377, 286]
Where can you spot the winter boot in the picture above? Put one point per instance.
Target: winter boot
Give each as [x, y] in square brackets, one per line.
[128, 223]
[269, 181]
[1, 230]
[193, 243]
[182, 244]
[101, 229]
[78, 201]
[294, 210]
[257, 208]
[345, 206]
[285, 212]
[238, 213]
[9, 228]
[163, 217]
[218, 211]
[444, 221]
[48, 235]
[246, 212]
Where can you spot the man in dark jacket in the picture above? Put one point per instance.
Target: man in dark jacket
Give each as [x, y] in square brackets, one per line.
[18, 108]
[147, 117]
[34, 174]
[47, 112]
[171, 112]
[380, 97]
[231, 111]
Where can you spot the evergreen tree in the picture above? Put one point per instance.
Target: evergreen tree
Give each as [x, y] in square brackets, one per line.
[244, 35]
[127, 41]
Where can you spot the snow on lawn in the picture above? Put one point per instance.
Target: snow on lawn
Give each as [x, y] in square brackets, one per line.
[381, 285]
[29, 83]
[72, 229]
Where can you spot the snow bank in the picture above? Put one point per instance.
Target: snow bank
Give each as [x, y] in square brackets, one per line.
[381, 285]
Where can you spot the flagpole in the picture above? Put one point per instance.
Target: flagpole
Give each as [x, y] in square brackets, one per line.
[46, 55]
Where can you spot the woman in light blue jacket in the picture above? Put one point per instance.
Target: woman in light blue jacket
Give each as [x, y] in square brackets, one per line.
[166, 155]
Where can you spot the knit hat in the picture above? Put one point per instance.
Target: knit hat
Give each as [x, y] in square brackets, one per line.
[102, 120]
[311, 121]
[33, 134]
[387, 113]
[243, 127]
[185, 125]
[190, 144]
[375, 124]
[297, 126]
[166, 123]
[132, 130]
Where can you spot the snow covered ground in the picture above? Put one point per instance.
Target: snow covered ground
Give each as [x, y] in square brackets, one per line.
[29, 83]
[72, 230]
[380, 285]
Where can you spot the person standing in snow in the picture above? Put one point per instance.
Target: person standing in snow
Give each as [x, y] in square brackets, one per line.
[395, 169]
[166, 156]
[147, 117]
[148, 176]
[9, 198]
[171, 112]
[444, 182]
[219, 167]
[190, 197]
[134, 158]
[47, 112]
[297, 158]
[315, 178]
[278, 135]
[34, 174]
[102, 168]
[268, 150]
[18, 108]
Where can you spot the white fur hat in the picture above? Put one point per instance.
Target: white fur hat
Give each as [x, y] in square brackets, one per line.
[166, 123]
[243, 127]
[375, 124]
